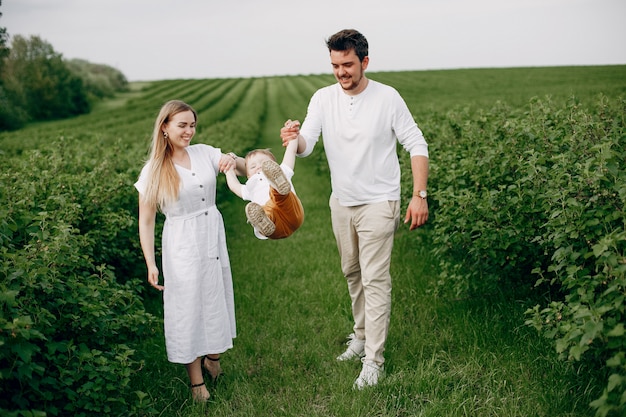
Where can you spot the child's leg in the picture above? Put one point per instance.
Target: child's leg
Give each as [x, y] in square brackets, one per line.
[286, 212]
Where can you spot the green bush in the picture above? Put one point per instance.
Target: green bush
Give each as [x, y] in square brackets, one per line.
[12, 116]
[534, 197]
[66, 322]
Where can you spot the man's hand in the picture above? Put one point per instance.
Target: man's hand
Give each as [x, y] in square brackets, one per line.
[416, 213]
[290, 131]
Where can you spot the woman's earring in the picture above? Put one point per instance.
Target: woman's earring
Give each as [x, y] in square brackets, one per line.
[165, 135]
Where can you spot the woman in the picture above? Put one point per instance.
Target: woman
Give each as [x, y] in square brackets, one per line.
[180, 180]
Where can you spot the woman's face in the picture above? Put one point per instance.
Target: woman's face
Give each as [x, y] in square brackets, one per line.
[180, 129]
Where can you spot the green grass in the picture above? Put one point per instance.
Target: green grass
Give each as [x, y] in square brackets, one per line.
[481, 88]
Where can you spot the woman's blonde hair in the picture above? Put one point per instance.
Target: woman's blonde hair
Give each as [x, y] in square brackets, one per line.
[163, 180]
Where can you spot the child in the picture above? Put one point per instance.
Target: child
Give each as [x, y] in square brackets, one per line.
[275, 211]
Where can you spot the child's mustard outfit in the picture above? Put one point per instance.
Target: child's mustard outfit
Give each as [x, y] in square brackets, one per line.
[285, 211]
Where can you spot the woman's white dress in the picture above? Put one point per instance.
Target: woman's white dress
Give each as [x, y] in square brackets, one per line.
[199, 307]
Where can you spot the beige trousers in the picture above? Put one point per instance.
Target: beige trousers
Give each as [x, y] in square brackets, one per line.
[364, 237]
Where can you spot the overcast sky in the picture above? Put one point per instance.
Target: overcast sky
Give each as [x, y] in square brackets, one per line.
[169, 39]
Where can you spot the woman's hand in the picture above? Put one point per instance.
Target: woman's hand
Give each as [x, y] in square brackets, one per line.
[226, 163]
[153, 278]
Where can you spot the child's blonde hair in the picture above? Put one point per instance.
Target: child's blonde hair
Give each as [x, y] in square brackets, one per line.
[254, 152]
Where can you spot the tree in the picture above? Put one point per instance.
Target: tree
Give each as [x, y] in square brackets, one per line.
[11, 115]
[4, 40]
[38, 80]
[99, 80]
[36, 83]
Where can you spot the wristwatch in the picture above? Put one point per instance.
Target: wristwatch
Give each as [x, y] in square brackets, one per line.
[421, 194]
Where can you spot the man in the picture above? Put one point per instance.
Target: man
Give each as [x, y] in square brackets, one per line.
[361, 121]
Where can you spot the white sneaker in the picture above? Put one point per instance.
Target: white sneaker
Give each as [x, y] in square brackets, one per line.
[355, 350]
[369, 376]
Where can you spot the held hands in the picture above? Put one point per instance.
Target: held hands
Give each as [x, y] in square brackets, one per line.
[290, 131]
[416, 213]
[227, 163]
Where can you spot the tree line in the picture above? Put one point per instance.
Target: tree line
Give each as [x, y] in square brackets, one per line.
[37, 83]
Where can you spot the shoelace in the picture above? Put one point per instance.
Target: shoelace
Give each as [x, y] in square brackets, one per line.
[351, 339]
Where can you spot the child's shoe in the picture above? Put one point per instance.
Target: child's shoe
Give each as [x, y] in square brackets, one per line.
[276, 177]
[257, 218]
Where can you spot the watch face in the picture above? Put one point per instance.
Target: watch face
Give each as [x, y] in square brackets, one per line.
[423, 194]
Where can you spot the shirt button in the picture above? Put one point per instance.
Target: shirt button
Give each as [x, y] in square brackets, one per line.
[201, 185]
[203, 199]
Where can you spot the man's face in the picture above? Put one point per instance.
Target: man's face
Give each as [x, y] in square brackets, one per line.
[349, 70]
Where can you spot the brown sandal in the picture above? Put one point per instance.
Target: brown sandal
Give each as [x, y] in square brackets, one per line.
[213, 374]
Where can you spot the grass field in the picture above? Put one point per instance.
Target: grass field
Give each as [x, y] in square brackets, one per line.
[446, 356]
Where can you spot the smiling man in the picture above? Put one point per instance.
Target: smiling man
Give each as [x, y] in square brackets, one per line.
[361, 121]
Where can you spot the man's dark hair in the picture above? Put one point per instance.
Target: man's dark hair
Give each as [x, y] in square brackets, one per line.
[346, 40]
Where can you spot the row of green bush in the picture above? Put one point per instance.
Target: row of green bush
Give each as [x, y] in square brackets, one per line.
[533, 199]
[65, 321]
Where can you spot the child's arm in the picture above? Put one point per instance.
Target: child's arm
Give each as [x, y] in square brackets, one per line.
[240, 164]
[233, 182]
[289, 158]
